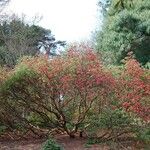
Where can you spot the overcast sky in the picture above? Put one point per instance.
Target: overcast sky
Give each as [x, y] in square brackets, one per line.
[69, 20]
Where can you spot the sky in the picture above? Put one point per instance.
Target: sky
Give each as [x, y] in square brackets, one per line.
[71, 20]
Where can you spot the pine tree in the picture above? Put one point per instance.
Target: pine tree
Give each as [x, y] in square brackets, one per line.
[126, 29]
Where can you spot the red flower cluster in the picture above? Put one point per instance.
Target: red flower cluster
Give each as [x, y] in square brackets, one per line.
[79, 76]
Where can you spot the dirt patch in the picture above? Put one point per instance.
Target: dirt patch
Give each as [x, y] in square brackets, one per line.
[36, 144]
[21, 145]
[67, 143]
[78, 144]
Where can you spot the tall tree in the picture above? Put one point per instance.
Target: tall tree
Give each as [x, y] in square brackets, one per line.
[126, 29]
[18, 39]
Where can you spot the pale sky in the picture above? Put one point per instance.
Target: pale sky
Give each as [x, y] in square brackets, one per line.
[70, 20]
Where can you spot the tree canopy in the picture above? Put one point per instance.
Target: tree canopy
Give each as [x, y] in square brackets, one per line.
[18, 38]
[126, 29]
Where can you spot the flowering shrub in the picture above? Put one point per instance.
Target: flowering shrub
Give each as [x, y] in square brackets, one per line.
[64, 90]
[76, 84]
[133, 89]
[69, 91]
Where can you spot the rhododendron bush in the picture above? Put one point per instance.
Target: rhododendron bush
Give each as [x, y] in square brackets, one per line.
[72, 91]
[133, 89]
[74, 85]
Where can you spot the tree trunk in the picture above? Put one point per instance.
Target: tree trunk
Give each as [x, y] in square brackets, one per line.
[81, 134]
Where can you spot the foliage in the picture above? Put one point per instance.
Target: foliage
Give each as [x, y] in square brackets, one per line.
[64, 90]
[122, 4]
[51, 145]
[108, 125]
[76, 93]
[2, 129]
[6, 56]
[36, 120]
[134, 89]
[124, 31]
[12, 114]
[144, 134]
[18, 39]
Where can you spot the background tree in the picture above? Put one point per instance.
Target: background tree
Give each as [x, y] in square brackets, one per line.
[75, 93]
[18, 38]
[126, 30]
